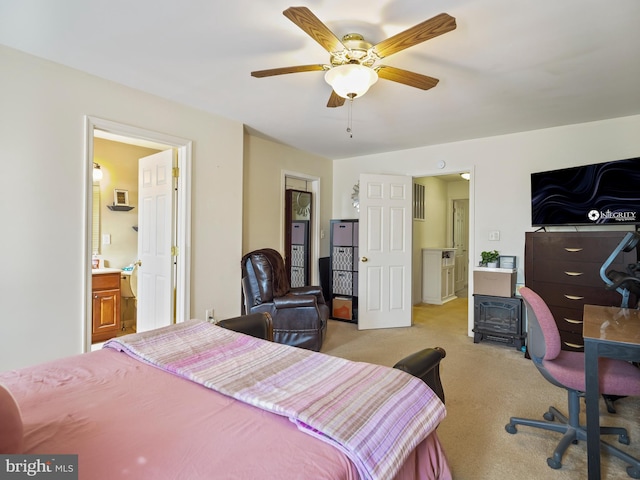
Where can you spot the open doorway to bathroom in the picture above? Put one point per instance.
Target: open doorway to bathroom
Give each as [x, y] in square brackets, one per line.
[445, 226]
[115, 230]
[114, 224]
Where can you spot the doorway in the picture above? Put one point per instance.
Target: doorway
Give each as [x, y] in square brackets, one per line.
[297, 238]
[180, 216]
[460, 231]
[446, 225]
[305, 183]
[444, 194]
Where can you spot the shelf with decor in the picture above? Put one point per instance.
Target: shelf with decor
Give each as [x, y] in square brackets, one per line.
[120, 208]
[343, 276]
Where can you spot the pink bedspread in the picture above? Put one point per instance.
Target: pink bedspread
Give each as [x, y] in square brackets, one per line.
[376, 414]
[126, 419]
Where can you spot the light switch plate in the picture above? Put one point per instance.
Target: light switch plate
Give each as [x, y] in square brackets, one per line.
[106, 239]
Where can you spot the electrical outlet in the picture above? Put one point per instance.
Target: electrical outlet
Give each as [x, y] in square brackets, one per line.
[208, 314]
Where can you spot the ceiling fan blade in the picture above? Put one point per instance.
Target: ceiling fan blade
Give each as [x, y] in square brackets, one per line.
[408, 78]
[284, 70]
[431, 28]
[307, 21]
[335, 100]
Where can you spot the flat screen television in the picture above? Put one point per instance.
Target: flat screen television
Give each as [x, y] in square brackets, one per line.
[598, 194]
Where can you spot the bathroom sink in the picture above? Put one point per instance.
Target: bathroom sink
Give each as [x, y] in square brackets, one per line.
[101, 271]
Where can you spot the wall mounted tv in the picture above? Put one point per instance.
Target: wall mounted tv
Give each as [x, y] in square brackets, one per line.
[597, 194]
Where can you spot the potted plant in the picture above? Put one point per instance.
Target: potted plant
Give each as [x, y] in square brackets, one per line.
[490, 258]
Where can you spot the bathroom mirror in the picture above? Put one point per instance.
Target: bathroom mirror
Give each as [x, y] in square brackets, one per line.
[297, 236]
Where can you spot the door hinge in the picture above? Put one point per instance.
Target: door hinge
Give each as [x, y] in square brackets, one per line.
[176, 172]
[174, 251]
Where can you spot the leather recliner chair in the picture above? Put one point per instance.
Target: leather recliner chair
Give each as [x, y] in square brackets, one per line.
[299, 314]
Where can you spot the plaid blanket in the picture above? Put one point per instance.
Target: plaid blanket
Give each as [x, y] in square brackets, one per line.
[376, 415]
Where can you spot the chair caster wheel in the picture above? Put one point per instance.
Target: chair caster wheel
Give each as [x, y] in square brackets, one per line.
[624, 439]
[549, 417]
[553, 463]
[510, 428]
[633, 472]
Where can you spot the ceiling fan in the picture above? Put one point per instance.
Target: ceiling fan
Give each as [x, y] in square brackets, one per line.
[355, 58]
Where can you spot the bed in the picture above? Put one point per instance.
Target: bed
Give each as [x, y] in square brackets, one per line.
[197, 401]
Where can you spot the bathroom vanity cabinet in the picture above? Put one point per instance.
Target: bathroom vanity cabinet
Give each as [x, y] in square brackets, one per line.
[106, 306]
[438, 275]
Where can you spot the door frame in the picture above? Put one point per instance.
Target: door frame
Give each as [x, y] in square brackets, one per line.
[183, 212]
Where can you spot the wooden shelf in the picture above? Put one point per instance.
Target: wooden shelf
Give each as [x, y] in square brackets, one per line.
[119, 208]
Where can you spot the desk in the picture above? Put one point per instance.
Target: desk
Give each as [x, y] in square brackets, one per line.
[611, 332]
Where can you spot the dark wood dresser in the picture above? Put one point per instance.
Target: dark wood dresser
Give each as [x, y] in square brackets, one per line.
[564, 269]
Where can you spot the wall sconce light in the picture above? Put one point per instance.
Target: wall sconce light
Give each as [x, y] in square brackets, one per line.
[97, 172]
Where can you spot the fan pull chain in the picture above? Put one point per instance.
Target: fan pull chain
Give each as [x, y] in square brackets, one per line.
[350, 118]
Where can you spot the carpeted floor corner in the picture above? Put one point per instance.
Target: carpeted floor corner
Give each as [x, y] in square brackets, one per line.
[485, 384]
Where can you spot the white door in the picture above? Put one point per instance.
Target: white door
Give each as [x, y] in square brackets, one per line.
[384, 277]
[155, 227]
[460, 236]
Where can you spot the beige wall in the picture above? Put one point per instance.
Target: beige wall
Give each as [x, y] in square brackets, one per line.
[266, 163]
[500, 168]
[119, 165]
[43, 182]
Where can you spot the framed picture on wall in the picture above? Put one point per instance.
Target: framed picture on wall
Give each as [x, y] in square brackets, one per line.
[121, 198]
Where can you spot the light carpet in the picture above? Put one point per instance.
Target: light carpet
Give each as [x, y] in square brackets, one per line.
[485, 384]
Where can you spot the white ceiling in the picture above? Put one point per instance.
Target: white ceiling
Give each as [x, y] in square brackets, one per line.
[509, 66]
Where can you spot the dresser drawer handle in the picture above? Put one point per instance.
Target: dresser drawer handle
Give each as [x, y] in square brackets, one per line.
[568, 320]
[573, 250]
[573, 297]
[574, 274]
[573, 345]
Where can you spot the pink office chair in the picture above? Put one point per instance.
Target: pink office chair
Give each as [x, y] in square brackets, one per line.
[565, 369]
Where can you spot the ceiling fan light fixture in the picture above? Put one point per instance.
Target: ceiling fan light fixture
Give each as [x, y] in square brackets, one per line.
[351, 80]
